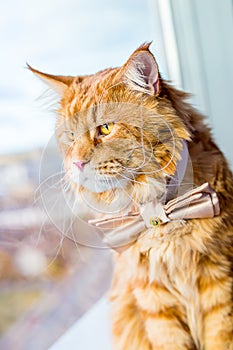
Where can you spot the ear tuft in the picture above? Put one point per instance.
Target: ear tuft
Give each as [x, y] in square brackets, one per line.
[141, 71]
[58, 83]
[145, 46]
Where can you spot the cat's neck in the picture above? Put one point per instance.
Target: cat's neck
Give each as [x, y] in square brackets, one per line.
[204, 154]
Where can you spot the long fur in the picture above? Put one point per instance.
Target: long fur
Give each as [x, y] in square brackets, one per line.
[172, 289]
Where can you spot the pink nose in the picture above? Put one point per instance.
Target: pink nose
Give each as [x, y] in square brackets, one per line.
[80, 164]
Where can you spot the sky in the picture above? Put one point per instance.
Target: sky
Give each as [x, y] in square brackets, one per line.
[70, 37]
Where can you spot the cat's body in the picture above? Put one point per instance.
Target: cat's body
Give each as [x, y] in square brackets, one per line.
[173, 287]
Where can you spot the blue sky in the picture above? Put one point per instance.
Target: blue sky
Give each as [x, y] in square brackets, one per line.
[61, 37]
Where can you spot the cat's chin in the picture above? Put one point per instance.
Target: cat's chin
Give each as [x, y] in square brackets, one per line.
[102, 185]
[121, 199]
[106, 202]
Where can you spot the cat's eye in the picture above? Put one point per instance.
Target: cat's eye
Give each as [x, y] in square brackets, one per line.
[106, 129]
[70, 135]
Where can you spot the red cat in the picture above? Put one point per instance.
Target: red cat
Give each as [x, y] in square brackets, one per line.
[126, 135]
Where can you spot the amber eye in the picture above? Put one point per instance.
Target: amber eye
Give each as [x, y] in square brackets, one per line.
[106, 128]
[70, 135]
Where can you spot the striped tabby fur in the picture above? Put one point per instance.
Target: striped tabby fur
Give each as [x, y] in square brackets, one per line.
[173, 288]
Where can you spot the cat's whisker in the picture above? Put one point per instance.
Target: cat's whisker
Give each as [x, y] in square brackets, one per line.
[40, 192]
[110, 182]
[48, 100]
[59, 247]
[49, 178]
[70, 228]
[40, 231]
[131, 179]
[67, 186]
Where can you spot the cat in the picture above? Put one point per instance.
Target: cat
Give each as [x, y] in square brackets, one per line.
[122, 133]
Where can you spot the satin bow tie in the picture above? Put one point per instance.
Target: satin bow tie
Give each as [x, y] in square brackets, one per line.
[122, 230]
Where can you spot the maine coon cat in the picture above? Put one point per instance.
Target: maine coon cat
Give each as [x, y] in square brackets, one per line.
[123, 134]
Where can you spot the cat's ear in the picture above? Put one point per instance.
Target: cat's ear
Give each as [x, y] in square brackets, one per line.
[58, 83]
[141, 71]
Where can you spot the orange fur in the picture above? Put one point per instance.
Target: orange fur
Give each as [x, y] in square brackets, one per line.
[173, 288]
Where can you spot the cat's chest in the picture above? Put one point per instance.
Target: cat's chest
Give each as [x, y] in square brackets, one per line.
[170, 260]
[172, 263]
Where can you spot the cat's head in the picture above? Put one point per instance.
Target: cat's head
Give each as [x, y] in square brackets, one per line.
[118, 131]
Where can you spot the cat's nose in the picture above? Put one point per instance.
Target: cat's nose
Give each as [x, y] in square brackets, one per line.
[80, 164]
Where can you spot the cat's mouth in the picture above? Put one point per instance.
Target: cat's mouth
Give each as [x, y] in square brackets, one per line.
[95, 182]
[102, 185]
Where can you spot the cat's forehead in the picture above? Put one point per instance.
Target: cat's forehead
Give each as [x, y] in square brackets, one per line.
[95, 88]
[101, 98]
[85, 94]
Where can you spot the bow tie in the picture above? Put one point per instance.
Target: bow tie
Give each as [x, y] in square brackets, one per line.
[121, 231]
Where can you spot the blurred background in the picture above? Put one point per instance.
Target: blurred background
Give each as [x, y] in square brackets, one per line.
[48, 282]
